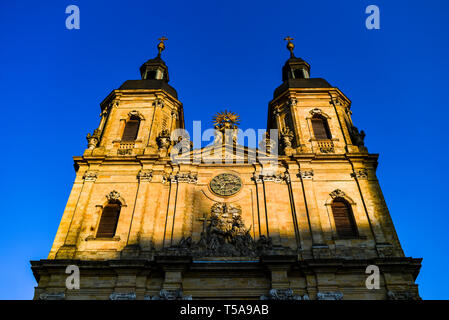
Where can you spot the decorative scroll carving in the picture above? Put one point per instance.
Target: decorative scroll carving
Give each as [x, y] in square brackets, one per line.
[93, 139]
[122, 296]
[283, 294]
[52, 296]
[331, 295]
[169, 295]
[360, 174]
[278, 178]
[402, 295]
[187, 177]
[158, 103]
[224, 236]
[145, 175]
[306, 174]
[292, 102]
[180, 177]
[337, 194]
[90, 176]
[318, 112]
[113, 196]
[137, 114]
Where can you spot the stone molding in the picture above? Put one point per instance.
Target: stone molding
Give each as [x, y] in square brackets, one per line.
[122, 296]
[337, 193]
[136, 113]
[187, 177]
[90, 176]
[145, 175]
[329, 295]
[402, 295]
[283, 294]
[52, 296]
[165, 294]
[278, 178]
[360, 174]
[306, 174]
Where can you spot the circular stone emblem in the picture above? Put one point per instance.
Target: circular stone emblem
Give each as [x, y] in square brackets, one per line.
[225, 184]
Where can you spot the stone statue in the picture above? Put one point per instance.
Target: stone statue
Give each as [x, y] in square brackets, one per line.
[93, 139]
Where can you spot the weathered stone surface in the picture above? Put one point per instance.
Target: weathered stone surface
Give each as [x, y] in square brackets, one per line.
[215, 241]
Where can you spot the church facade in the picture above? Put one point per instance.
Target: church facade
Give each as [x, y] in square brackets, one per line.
[299, 217]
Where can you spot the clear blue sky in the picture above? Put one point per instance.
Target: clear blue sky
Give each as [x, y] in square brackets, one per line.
[225, 54]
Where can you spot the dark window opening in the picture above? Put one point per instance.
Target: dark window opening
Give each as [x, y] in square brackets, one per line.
[344, 219]
[151, 74]
[108, 221]
[321, 129]
[298, 74]
[131, 129]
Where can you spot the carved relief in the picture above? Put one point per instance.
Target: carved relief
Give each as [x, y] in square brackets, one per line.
[165, 294]
[306, 174]
[283, 294]
[163, 139]
[52, 296]
[122, 296]
[337, 194]
[158, 103]
[286, 138]
[137, 114]
[224, 236]
[90, 176]
[331, 295]
[278, 178]
[360, 174]
[180, 177]
[145, 175]
[113, 196]
[402, 295]
[318, 112]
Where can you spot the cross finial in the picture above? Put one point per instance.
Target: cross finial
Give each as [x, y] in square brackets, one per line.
[161, 45]
[290, 45]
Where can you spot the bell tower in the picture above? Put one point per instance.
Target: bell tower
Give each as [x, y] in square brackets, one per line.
[138, 117]
[137, 120]
[310, 114]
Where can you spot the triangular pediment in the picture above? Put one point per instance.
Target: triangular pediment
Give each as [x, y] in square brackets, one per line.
[226, 153]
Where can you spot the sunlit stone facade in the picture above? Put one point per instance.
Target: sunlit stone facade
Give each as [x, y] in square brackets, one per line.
[226, 221]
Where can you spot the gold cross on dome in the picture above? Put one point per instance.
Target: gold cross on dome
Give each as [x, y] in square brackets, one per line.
[161, 45]
[290, 45]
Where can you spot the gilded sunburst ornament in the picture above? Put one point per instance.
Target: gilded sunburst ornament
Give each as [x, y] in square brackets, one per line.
[226, 120]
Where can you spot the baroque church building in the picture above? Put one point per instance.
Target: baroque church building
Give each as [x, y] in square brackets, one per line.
[299, 217]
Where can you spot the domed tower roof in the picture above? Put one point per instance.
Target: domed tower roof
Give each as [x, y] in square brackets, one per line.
[296, 73]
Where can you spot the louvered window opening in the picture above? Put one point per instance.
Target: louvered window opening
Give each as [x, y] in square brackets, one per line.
[320, 129]
[131, 129]
[344, 219]
[108, 221]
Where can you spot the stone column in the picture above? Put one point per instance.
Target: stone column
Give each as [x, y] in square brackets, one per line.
[132, 248]
[67, 251]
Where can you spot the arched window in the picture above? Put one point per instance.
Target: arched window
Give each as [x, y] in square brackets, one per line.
[344, 219]
[131, 129]
[109, 220]
[321, 128]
